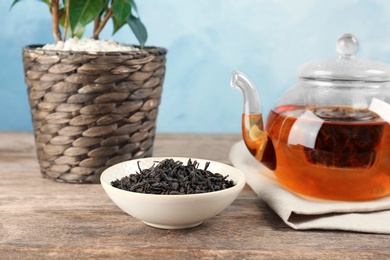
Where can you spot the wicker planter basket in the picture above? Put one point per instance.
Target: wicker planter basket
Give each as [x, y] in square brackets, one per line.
[91, 111]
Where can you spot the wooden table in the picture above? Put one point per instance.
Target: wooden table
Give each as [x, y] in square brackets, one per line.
[42, 219]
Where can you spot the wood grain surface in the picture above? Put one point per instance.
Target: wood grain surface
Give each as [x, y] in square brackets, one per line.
[40, 218]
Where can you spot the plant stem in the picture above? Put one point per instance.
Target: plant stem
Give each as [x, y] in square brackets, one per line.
[102, 24]
[96, 23]
[66, 19]
[54, 24]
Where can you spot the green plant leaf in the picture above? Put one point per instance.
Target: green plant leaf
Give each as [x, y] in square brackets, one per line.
[121, 9]
[117, 26]
[138, 29]
[80, 31]
[134, 7]
[82, 12]
[106, 6]
[15, 1]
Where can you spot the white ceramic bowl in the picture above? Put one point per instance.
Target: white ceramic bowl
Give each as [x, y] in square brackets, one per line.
[171, 211]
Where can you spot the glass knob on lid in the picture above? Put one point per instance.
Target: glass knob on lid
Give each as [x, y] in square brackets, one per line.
[347, 45]
[346, 67]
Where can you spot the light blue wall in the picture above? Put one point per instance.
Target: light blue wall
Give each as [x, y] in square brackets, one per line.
[207, 39]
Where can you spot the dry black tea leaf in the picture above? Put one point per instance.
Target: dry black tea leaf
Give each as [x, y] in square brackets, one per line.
[172, 177]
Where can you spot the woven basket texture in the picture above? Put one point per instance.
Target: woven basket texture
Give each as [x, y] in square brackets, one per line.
[92, 110]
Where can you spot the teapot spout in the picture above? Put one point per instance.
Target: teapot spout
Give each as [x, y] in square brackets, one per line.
[255, 137]
[245, 85]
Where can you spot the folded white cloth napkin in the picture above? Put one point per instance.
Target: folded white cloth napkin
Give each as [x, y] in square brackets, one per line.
[301, 212]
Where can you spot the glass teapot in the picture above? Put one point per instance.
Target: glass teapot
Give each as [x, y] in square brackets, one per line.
[328, 136]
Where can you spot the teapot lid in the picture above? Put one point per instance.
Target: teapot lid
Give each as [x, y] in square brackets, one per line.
[346, 67]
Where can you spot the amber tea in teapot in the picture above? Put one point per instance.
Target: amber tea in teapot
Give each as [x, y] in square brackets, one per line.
[339, 153]
[328, 136]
